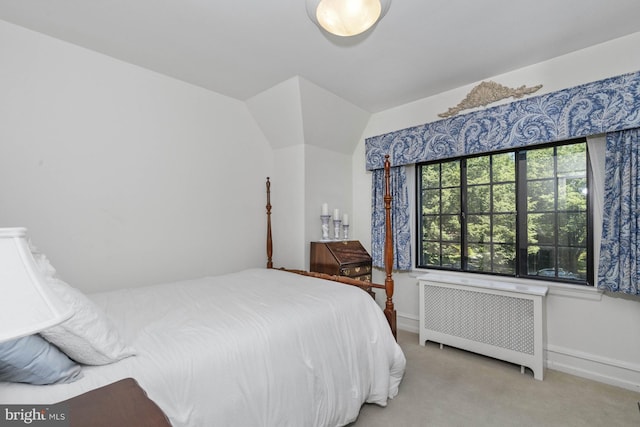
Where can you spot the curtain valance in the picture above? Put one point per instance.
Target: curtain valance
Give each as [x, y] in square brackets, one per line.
[607, 105]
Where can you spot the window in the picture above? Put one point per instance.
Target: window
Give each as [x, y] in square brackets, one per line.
[521, 213]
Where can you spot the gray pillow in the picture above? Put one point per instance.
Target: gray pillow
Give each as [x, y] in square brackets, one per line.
[34, 360]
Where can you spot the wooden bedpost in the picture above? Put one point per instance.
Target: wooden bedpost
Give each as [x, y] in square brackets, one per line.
[269, 239]
[389, 310]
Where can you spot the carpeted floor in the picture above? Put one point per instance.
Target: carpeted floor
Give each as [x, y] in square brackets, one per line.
[451, 387]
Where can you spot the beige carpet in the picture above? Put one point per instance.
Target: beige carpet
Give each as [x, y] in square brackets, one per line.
[451, 387]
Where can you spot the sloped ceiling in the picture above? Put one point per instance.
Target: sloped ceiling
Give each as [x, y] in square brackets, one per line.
[300, 112]
[242, 48]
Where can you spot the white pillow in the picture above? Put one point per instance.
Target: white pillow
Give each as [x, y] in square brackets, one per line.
[88, 336]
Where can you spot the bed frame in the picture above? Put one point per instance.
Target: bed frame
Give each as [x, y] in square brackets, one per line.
[389, 310]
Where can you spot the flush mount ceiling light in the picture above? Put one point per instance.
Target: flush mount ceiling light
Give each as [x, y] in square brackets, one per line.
[346, 17]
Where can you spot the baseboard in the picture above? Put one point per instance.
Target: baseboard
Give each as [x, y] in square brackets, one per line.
[602, 369]
[408, 322]
[597, 368]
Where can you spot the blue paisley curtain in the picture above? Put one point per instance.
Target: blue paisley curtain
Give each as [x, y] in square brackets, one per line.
[400, 219]
[619, 269]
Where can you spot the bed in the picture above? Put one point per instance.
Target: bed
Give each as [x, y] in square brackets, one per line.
[260, 347]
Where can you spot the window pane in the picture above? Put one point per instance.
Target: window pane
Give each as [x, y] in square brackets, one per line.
[431, 227]
[504, 198]
[451, 201]
[479, 257]
[478, 170]
[504, 167]
[572, 194]
[431, 253]
[451, 174]
[431, 202]
[504, 228]
[572, 229]
[451, 256]
[451, 228]
[431, 176]
[542, 261]
[572, 159]
[541, 229]
[540, 195]
[478, 199]
[540, 163]
[504, 259]
[478, 228]
[569, 265]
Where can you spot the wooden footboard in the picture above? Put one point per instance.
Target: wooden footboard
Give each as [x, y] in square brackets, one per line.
[389, 310]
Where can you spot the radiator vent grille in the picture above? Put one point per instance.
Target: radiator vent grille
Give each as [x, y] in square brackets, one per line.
[496, 320]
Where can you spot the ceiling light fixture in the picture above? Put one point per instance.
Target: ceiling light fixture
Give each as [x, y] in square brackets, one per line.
[346, 17]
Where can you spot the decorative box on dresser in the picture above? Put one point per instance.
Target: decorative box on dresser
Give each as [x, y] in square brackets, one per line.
[341, 258]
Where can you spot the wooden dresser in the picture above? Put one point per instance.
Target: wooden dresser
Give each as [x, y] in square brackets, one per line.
[341, 258]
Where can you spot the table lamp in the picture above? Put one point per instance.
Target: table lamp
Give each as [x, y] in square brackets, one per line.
[27, 304]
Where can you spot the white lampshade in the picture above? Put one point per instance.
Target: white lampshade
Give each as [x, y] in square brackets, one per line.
[346, 17]
[27, 305]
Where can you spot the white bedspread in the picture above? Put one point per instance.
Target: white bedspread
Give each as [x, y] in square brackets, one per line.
[255, 348]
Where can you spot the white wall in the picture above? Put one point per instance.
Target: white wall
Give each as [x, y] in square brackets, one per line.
[124, 176]
[587, 333]
[328, 176]
[304, 177]
[313, 132]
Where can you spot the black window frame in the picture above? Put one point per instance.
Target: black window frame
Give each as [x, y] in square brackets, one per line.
[521, 240]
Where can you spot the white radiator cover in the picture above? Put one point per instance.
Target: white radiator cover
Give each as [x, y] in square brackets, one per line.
[498, 319]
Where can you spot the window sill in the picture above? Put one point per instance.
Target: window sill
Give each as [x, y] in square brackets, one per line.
[560, 289]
